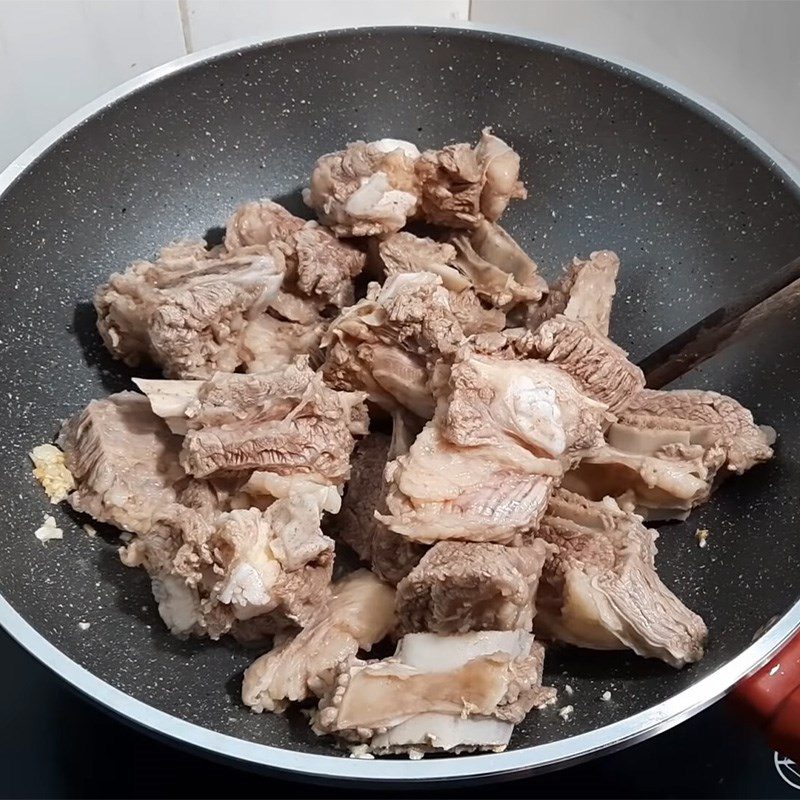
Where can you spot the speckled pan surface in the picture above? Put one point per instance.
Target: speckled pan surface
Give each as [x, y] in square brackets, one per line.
[611, 161]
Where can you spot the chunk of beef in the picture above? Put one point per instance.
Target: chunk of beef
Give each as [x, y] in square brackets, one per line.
[319, 266]
[453, 693]
[270, 342]
[529, 402]
[385, 343]
[725, 429]
[482, 470]
[497, 267]
[584, 293]
[461, 586]
[665, 483]
[285, 421]
[403, 253]
[461, 186]
[374, 188]
[368, 189]
[601, 590]
[600, 367]
[261, 222]
[211, 571]
[325, 266]
[390, 555]
[670, 449]
[359, 613]
[187, 310]
[124, 461]
[483, 493]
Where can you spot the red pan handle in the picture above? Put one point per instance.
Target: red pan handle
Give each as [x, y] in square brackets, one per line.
[771, 700]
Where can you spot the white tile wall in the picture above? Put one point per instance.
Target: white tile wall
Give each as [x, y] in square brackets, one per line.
[742, 55]
[214, 21]
[56, 55]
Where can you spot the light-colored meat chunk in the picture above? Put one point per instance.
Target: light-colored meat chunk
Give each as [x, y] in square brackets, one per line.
[375, 188]
[187, 310]
[385, 344]
[359, 613]
[368, 189]
[461, 586]
[286, 421]
[497, 267]
[460, 186]
[730, 438]
[449, 693]
[601, 590]
[318, 265]
[212, 571]
[405, 253]
[270, 342]
[584, 293]
[670, 449]
[124, 461]
[600, 367]
[261, 222]
[482, 470]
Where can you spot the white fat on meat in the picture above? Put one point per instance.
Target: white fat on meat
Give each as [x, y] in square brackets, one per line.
[170, 400]
[358, 614]
[599, 587]
[446, 693]
[669, 450]
[482, 470]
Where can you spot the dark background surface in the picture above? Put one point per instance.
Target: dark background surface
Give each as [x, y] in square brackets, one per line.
[53, 743]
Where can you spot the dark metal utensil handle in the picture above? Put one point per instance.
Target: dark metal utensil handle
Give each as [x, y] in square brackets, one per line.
[779, 294]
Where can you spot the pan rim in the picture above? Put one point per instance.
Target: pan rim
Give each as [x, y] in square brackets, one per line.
[552, 755]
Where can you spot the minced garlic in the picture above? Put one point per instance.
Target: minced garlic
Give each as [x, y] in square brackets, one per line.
[50, 469]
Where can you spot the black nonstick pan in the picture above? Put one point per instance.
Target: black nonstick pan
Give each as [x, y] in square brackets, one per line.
[696, 209]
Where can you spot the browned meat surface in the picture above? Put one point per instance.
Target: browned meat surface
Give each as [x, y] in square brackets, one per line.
[600, 367]
[187, 310]
[359, 613]
[483, 468]
[460, 186]
[670, 449]
[498, 269]
[435, 692]
[601, 590]
[463, 586]
[584, 293]
[385, 344]
[368, 189]
[124, 461]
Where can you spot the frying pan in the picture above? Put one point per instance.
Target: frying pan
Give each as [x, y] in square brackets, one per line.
[695, 207]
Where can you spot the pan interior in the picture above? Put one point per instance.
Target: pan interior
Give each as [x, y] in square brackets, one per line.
[610, 161]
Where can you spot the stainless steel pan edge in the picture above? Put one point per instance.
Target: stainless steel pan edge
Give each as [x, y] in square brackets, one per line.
[318, 767]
